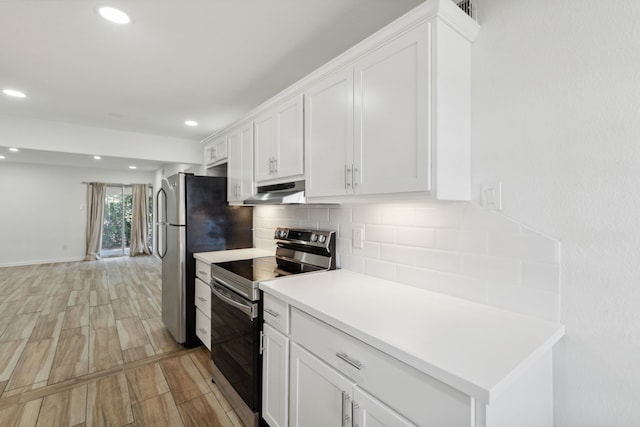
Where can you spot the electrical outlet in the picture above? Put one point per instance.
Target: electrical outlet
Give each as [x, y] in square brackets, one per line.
[358, 236]
[492, 196]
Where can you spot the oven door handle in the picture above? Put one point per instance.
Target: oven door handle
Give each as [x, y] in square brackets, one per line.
[249, 310]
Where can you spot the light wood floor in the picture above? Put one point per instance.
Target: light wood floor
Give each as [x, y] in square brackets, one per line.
[82, 344]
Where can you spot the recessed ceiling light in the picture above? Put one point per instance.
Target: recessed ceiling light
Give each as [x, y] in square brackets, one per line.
[114, 15]
[132, 167]
[2, 157]
[191, 123]
[97, 157]
[14, 93]
[15, 150]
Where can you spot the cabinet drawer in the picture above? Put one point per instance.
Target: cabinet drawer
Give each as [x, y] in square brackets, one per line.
[203, 297]
[417, 396]
[203, 328]
[203, 271]
[276, 313]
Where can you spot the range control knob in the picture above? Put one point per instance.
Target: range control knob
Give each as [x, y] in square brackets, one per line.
[322, 238]
[314, 237]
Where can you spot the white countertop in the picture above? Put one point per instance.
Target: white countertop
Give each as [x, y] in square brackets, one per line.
[231, 255]
[475, 348]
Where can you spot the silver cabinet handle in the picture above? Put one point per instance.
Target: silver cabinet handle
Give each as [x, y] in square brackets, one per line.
[202, 273]
[354, 412]
[345, 414]
[202, 299]
[271, 312]
[347, 177]
[275, 165]
[350, 361]
[356, 178]
[203, 331]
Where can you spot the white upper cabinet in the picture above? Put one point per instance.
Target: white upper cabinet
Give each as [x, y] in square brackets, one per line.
[279, 143]
[390, 115]
[215, 152]
[393, 120]
[240, 164]
[329, 135]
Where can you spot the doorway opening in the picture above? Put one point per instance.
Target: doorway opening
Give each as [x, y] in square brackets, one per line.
[116, 230]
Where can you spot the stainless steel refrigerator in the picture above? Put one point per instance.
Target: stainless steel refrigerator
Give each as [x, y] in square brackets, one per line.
[193, 216]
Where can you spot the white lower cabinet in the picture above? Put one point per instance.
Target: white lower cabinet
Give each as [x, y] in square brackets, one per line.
[321, 396]
[370, 412]
[203, 310]
[275, 377]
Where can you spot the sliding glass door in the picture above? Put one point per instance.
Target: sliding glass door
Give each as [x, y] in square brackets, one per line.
[116, 229]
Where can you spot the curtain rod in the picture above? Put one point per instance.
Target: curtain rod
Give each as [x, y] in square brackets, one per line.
[110, 184]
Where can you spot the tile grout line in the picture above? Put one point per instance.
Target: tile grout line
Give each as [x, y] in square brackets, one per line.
[86, 379]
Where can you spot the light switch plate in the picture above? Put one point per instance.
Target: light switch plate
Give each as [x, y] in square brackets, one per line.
[358, 236]
[492, 196]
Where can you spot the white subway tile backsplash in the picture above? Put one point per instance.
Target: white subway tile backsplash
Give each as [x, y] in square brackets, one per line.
[320, 215]
[352, 263]
[530, 247]
[368, 250]
[438, 260]
[525, 300]
[301, 213]
[419, 237]
[397, 215]
[398, 254]
[380, 233]
[417, 277]
[545, 277]
[457, 248]
[366, 214]
[500, 270]
[445, 217]
[463, 287]
[340, 216]
[381, 269]
[462, 241]
[474, 218]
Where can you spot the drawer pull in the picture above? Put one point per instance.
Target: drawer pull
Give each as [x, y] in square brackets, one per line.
[350, 361]
[203, 331]
[271, 312]
[202, 299]
[202, 273]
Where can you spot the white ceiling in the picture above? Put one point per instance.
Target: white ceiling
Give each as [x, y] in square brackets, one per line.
[207, 60]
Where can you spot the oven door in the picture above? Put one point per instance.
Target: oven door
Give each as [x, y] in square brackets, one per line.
[235, 350]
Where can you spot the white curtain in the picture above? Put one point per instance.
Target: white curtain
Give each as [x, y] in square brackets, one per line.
[139, 220]
[95, 214]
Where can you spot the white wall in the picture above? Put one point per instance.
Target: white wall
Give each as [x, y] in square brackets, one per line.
[556, 117]
[43, 210]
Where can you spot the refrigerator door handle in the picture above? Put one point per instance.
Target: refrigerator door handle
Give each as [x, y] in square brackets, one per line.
[162, 221]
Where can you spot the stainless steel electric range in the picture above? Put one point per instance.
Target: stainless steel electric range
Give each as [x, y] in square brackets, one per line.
[236, 311]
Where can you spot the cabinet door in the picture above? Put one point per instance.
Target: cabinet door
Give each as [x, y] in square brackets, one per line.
[246, 187]
[289, 159]
[264, 147]
[392, 116]
[234, 166]
[329, 135]
[275, 377]
[240, 165]
[319, 395]
[370, 412]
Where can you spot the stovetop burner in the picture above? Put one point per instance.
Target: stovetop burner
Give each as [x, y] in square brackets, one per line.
[298, 251]
[254, 269]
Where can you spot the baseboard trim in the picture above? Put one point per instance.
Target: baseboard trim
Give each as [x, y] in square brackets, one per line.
[42, 261]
